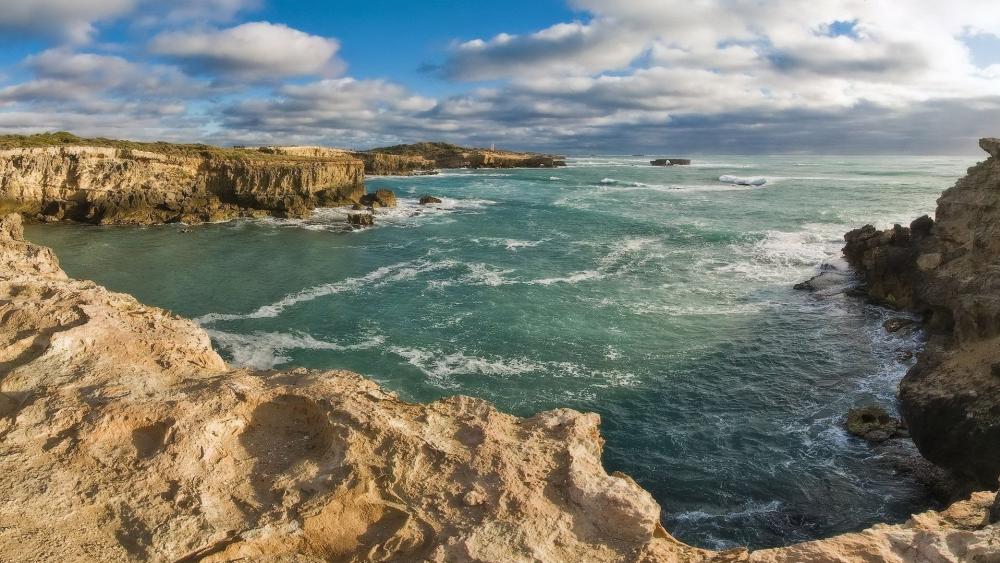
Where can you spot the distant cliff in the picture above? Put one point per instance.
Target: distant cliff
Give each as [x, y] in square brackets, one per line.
[403, 159]
[63, 177]
[948, 269]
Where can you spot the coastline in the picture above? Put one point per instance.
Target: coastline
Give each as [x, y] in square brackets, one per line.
[151, 419]
[871, 541]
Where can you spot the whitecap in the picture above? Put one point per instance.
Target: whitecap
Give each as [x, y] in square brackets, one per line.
[265, 350]
[381, 276]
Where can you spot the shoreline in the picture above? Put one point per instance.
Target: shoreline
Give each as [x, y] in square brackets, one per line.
[622, 520]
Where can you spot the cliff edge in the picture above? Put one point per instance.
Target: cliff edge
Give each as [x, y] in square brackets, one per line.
[52, 177]
[948, 270]
[124, 436]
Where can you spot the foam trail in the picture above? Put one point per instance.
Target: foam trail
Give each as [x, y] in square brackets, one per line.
[386, 274]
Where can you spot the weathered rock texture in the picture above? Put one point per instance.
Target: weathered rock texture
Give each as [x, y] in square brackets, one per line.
[444, 155]
[125, 437]
[119, 182]
[948, 269]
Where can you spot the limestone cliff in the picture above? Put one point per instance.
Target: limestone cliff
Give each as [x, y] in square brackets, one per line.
[444, 155]
[120, 182]
[948, 269]
[124, 437]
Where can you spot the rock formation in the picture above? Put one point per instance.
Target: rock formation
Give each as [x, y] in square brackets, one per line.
[428, 200]
[873, 424]
[946, 269]
[62, 177]
[444, 155]
[379, 198]
[124, 436]
[670, 162]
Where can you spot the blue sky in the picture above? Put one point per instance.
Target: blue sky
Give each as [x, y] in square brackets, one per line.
[739, 76]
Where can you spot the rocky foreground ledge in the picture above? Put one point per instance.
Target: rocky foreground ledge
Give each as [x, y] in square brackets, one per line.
[948, 270]
[124, 436]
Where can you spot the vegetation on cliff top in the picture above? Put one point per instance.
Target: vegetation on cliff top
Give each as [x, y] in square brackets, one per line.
[436, 151]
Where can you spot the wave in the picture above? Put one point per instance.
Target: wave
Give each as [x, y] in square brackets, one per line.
[265, 350]
[574, 278]
[381, 276]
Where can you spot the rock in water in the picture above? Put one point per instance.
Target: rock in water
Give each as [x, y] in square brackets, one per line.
[873, 424]
[945, 271]
[670, 162]
[896, 324]
[361, 219]
[380, 198]
[428, 199]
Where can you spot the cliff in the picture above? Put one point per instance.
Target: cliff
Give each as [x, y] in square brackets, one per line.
[124, 436]
[444, 155]
[948, 270]
[57, 177]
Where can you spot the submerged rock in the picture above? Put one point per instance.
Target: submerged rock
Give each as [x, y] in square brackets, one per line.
[874, 424]
[897, 324]
[428, 199]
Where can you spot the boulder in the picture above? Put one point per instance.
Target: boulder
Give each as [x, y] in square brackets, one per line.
[873, 424]
[361, 219]
[380, 198]
[428, 199]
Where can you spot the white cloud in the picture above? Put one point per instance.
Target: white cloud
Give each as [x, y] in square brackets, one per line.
[72, 20]
[251, 51]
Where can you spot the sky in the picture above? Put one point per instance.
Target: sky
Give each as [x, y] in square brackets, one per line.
[570, 76]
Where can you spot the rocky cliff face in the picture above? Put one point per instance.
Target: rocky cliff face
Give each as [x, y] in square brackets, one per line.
[948, 269]
[126, 185]
[124, 436]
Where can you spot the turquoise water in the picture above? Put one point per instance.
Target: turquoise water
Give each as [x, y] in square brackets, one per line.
[658, 297]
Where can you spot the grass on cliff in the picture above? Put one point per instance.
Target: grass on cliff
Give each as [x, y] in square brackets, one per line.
[64, 139]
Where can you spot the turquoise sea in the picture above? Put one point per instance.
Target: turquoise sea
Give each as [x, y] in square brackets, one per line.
[658, 297]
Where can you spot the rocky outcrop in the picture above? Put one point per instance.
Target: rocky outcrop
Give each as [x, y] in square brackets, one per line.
[385, 164]
[444, 155]
[874, 424]
[119, 182]
[379, 198]
[428, 200]
[946, 270]
[670, 162]
[124, 436]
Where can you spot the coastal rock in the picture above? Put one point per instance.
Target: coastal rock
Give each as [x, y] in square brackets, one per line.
[829, 278]
[945, 271]
[61, 177]
[385, 164]
[361, 219]
[126, 437]
[380, 198]
[670, 162]
[873, 424]
[429, 199]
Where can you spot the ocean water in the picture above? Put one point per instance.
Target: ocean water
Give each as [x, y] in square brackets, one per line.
[658, 297]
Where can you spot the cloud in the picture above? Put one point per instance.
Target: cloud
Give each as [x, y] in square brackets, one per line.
[70, 20]
[250, 51]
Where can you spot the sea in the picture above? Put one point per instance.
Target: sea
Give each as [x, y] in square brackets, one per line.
[658, 297]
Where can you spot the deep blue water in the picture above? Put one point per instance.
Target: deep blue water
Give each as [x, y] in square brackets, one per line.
[658, 297]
